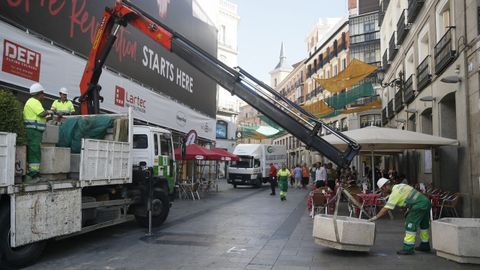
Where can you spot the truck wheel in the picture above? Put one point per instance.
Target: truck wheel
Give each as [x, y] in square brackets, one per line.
[160, 209]
[20, 256]
[259, 182]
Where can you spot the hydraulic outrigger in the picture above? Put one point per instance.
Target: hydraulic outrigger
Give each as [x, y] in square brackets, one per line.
[293, 118]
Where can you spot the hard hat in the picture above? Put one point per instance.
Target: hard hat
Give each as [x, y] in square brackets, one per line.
[382, 181]
[36, 88]
[64, 90]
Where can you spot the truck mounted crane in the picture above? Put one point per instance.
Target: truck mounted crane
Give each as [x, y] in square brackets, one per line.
[290, 116]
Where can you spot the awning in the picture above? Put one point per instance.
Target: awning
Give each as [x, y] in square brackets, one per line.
[354, 73]
[196, 152]
[318, 108]
[225, 154]
[340, 101]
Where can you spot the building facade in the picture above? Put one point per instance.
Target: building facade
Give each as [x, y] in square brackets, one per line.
[431, 72]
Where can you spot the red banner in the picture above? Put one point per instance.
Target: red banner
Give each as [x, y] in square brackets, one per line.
[21, 61]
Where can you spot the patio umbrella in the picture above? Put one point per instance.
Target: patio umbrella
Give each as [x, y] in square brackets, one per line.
[377, 138]
[225, 154]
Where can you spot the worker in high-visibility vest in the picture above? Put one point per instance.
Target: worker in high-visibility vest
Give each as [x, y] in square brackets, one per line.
[418, 214]
[63, 106]
[34, 118]
[282, 177]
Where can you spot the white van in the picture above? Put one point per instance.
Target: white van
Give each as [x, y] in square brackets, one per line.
[253, 168]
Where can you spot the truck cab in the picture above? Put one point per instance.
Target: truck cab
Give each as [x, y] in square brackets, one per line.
[253, 167]
[153, 148]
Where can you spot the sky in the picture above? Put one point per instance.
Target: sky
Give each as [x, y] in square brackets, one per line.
[264, 24]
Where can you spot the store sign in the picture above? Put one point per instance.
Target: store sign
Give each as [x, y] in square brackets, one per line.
[21, 61]
[123, 98]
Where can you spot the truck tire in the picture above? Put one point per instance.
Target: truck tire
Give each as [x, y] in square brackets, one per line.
[259, 181]
[160, 209]
[20, 256]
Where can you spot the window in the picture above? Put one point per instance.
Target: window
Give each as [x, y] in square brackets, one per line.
[344, 124]
[165, 145]
[344, 63]
[370, 120]
[221, 130]
[140, 141]
[369, 27]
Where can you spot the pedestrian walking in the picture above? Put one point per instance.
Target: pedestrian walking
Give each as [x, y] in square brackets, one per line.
[305, 176]
[282, 176]
[320, 175]
[34, 118]
[418, 214]
[297, 174]
[273, 178]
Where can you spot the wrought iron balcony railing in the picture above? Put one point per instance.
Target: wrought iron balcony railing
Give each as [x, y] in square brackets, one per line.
[443, 52]
[385, 63]
[398, 101]
[409, 92]
[402, 28]
[414, 7]
[392, 48]
[384, 116]
[390, 112]
[423, 74]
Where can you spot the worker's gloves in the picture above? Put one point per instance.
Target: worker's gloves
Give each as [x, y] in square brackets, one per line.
[373, 219]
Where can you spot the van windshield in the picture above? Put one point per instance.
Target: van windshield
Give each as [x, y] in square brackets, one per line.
[244, 162]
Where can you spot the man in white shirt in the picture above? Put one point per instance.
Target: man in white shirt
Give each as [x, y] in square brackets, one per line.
[320, 175]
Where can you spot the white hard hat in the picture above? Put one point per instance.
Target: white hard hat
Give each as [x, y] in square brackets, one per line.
[64, 90]
[382, 181]
[36, 88]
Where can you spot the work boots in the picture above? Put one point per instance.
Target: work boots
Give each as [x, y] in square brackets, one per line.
[424, 247]
[405, 252]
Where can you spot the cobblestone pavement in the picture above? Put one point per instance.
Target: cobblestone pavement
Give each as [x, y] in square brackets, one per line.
[241, 228]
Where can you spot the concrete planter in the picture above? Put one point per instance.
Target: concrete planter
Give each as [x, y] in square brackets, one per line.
[457, 239]
[50, 135]
[353, 234]
[55, 160]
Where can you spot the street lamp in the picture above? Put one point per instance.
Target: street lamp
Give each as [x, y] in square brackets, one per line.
[427, 99]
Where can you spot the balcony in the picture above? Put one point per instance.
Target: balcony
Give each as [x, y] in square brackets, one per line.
[402, 29]
[384, 116]
[423, 74]
[444, 53]
[414, 7]
[383, 9]
[385, 63]
[398, 101]
[366, 37]
[409, 92]
[392, 48]
[390, 112]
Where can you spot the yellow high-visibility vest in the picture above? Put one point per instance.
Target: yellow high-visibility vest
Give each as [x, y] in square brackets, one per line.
[31, 112]
[63, 107]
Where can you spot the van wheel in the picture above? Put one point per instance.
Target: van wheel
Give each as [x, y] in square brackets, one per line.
[20, 256]
[160, 209]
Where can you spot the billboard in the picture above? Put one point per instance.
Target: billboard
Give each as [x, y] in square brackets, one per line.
[72, 24]
[26, 57]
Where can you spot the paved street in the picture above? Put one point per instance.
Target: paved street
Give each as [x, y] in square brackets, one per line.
[241, 228]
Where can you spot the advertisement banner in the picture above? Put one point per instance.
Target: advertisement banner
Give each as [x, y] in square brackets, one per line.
[72, 24]
[58, 68]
